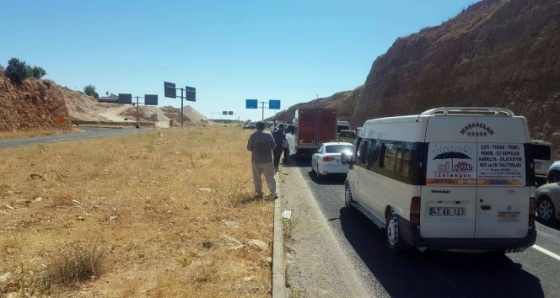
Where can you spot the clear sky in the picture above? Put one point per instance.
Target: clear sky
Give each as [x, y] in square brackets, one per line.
[229, 50]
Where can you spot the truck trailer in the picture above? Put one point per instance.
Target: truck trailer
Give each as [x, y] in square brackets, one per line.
[312, 128]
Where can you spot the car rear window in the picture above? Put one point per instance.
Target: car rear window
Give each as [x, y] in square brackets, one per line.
[347, 134]
[339, 148]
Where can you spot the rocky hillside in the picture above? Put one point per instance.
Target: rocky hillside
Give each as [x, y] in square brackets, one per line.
[344, 102]
[43, 105]
[499, 53]
[31, 105]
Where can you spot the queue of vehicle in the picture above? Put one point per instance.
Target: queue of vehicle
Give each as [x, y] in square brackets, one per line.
[449, 178]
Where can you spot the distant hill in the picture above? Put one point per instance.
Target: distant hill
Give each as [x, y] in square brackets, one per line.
[497, 53]
[41, 104]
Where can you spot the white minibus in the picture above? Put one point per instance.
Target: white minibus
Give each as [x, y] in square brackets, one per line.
[451, 178]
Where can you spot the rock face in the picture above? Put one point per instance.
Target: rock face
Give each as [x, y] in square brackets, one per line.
[344, 102]
[30, 105]
[496, 53]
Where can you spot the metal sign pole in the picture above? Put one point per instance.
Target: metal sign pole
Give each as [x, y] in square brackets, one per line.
[137, 122]
[182, 107]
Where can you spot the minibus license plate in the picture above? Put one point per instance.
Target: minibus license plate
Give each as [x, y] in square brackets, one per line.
[447, 211]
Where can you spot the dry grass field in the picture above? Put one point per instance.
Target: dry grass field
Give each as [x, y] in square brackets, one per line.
[168, 213]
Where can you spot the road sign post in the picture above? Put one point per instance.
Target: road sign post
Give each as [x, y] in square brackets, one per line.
[171, 91]
[190, 93]
[273, 104]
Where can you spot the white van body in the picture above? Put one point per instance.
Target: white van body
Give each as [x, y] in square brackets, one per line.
[449, 178]
[542, 154]
[342, 125]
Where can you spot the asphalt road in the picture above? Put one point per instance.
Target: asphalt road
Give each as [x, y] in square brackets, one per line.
[532, 273]
[86, 133]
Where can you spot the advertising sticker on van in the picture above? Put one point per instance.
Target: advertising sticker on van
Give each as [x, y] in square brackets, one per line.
[501, 164]
[475, 164]
[453, 164]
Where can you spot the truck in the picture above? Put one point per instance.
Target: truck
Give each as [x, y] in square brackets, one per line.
[342, 125]
[312, 128]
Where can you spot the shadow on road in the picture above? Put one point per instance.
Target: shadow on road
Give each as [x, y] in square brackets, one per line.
[555, 225]
[435, 273]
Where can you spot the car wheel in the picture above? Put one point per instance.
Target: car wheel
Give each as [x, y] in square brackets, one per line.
[348, 196]
[545, 209]
[394, 240]
[554, 176]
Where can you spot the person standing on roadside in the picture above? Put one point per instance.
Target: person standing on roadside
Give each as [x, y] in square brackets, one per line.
[280, 140]
[261, 144]
[286, 149]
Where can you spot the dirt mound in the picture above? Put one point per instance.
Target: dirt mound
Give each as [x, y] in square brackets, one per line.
[42, 104]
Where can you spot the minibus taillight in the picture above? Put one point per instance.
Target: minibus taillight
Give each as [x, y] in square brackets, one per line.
[532, 213]
[415, 211]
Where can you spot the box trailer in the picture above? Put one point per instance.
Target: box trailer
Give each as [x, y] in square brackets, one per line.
[312, 128]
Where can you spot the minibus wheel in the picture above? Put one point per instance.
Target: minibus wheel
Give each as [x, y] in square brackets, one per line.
[348, 196]
[394, 240]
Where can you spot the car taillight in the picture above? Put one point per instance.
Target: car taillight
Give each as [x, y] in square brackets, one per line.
[328, 158]
[415, 210]
[532, 213]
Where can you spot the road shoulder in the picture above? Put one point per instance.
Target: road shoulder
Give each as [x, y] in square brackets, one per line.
[315, 263]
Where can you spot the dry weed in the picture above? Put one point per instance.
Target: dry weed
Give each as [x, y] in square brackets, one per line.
[75, 263]
[169, 212]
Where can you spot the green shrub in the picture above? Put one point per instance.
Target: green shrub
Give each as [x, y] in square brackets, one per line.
[90, 90]
[36, 72]
[16, 70]
[48, 83]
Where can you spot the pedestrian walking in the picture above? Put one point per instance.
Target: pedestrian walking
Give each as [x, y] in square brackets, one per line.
[286, 149]
[280, 138]
[261, 144]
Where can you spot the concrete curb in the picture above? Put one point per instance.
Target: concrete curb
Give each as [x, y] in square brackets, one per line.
[278, 272]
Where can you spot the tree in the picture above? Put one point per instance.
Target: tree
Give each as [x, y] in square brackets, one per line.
[36, 72]
[90, 90]
[16, 70]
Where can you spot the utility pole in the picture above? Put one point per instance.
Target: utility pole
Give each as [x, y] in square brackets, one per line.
[182, 107]
[137, 121]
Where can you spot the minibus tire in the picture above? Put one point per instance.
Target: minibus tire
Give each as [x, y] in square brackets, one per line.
[348, 196]
[394, 240]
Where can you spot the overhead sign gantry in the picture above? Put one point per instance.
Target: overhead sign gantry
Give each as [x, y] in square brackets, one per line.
[171, 91]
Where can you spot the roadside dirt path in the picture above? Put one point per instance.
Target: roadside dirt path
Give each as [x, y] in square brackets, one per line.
[316, 265]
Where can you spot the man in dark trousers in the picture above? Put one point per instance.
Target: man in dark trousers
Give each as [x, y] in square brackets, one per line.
[279, 139]
[261, 144]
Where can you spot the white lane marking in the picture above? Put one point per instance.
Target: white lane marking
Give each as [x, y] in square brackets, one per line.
[546, 252]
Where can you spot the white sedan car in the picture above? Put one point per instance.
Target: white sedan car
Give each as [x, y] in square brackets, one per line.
[326, 160]
[548, 202]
